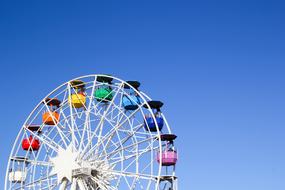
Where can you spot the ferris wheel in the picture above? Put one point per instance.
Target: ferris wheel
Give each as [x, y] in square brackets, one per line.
[95, 132]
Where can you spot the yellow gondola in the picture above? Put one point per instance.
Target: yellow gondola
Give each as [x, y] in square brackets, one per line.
[77, 99]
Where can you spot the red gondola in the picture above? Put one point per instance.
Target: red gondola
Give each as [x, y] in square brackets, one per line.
[31, 143]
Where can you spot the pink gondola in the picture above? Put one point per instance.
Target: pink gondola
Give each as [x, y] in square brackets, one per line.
[169, 155]
[168, 158]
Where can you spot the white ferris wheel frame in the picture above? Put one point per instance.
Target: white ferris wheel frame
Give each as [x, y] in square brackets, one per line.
[84, 149]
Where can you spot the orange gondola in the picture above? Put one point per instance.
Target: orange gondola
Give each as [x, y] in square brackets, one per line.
[51, 117]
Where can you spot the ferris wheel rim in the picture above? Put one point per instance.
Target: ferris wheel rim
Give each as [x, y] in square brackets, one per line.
[141, 94]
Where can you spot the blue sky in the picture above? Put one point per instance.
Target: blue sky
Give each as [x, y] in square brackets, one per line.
[217, 65]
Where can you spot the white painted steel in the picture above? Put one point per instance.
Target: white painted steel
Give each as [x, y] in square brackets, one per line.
[108, 141]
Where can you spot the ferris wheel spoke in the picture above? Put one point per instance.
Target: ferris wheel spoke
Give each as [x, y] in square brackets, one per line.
[49, 187]
[134, 183]
[92, 148]
[112, 115]
[45, 140]
[105, 147]
[137, 173]
[73, 137]
[108, 136]
[66, 120]
[34, 162]
[112, 132]
[142, 187]
[113, 108]
[120, 142]
[37, 181]
[126, 179]
[81, 184]
[134, 175]
[74, 184]
[57, 123]
[104, 117]
[111, 120]
[71, 130]
[134, 155]
[123, 148]
[87, 115]
[123, 141]
[92, 134]
[100, 123]
[102, 184]
[63, 184]
[121, 115]
[117, 117]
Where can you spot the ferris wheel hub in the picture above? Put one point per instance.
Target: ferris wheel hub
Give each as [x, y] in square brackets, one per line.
[64, 163]
[68, 166]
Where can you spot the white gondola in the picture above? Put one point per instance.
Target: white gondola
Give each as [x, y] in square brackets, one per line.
[17, 176]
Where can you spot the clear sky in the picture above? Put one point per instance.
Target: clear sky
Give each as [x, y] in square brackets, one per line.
[217, 65]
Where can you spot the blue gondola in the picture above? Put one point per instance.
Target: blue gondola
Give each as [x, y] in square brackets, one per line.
[131, 101]
[149, 123]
